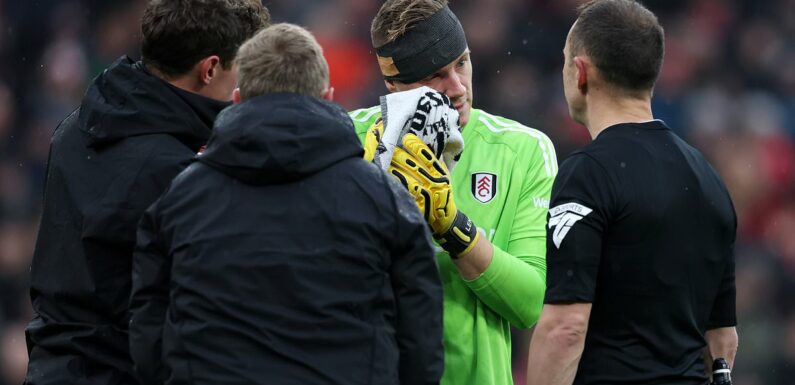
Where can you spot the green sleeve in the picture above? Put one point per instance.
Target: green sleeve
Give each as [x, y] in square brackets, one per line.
[514, 283]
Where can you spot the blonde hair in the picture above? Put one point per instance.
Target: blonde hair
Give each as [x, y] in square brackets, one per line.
[398, 16]
[282, 58]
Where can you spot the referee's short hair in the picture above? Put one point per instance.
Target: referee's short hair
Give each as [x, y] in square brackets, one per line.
[624, 40]
[282, 58]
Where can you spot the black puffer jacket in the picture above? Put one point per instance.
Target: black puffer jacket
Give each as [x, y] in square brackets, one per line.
[109, 160]
[281, 257]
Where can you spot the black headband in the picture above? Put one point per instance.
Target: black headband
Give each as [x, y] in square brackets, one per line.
[429, 45]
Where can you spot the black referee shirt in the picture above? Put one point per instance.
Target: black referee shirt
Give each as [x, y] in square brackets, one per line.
[643, 228]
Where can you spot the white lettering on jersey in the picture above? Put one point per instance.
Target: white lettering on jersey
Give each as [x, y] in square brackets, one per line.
[541, 203]
[563, 217]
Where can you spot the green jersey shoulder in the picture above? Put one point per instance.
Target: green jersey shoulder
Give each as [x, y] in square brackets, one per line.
[363, 118]
[520, 139]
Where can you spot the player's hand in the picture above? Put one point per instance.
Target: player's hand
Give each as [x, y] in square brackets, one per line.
[372, 140]
[426, 178]
[428, 181]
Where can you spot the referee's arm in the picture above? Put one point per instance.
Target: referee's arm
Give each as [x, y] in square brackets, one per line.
[558, 343]
[577, 219]
[721, 343]
[721, 335]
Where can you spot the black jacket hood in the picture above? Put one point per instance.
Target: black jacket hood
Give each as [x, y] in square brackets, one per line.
[126, 100]
[280, 137]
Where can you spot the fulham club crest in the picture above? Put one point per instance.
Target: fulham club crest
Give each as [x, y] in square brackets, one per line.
[484, 186]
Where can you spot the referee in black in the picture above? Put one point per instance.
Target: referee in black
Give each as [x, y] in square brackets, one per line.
[640, 264]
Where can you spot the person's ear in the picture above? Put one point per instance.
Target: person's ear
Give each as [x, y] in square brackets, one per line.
[328, 94]
[582, 74]
[208, 68]
[390, 85]
[236, 99]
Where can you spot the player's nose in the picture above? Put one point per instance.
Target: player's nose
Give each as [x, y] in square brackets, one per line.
[454, 87]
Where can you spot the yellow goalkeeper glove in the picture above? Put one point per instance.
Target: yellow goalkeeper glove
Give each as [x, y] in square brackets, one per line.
[373, 139]
[428, 181]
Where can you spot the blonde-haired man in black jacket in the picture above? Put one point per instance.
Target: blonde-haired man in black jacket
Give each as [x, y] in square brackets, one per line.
[281, 256]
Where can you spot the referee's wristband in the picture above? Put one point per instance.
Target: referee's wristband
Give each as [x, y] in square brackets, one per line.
[460, 237]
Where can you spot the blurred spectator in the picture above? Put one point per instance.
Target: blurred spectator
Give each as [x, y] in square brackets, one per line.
[7, 112]
[13, 354]
[728, 85]
[349, 57]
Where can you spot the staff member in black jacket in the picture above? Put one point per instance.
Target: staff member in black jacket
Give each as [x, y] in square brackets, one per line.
[281, 257]
[137, 127]
[640, 261]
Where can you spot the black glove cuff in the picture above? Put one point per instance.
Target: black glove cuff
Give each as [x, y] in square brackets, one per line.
[460, 237]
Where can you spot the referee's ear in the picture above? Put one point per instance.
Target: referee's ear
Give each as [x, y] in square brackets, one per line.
[582, 65]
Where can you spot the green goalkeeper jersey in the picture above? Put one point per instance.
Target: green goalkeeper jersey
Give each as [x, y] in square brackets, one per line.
[502, 182]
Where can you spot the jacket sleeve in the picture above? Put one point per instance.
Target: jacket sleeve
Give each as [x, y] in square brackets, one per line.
[418, 293]
[149, 300]
[514, 283]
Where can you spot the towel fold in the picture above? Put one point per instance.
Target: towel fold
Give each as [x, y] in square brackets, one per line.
[425, 113]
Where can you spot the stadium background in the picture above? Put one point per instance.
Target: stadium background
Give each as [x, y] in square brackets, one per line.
[727, 86]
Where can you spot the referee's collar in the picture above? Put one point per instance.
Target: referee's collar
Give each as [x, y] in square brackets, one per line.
[655, 124]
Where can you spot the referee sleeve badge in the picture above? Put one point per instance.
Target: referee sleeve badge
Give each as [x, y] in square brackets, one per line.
[563, 217]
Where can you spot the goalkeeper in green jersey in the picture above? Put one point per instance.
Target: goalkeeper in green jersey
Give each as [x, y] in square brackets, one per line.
[500, 186]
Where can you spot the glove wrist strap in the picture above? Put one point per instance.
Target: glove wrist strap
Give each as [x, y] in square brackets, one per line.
[460, 237]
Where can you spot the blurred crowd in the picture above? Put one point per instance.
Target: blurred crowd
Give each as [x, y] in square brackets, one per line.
[727, 86]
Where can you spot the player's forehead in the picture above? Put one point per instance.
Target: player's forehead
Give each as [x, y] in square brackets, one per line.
[451, 65]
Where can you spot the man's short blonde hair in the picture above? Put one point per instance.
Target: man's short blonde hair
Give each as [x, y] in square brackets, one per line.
[398, 16]
[282, 58]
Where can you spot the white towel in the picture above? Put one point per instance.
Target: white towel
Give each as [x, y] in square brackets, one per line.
[425, 113]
